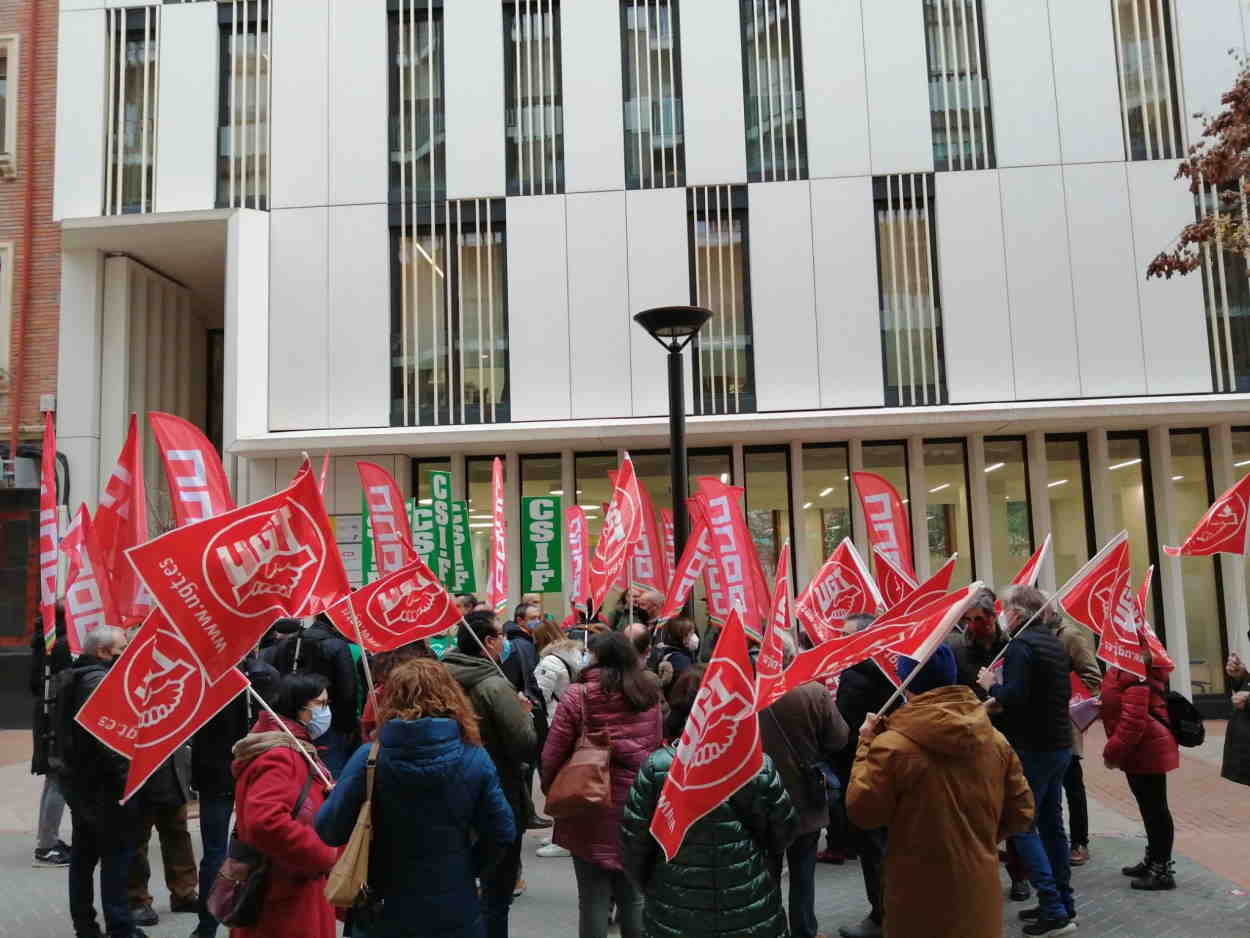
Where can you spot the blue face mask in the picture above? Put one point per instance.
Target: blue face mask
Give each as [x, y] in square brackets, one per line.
[507, 649]
[319, 723]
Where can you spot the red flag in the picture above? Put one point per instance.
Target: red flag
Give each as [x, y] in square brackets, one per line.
[839, 653]
[402, 607]
[392, 535]
[197, 483]
[734, 554]
[121, 522]
[769, 684]
[926, 628]
[719, 751]
[1222, 529]
[579, 557]
[88, 600]
[1033, 567]
[896, 585]
[154, 697]
[1123, 641]
[929, 591]
[718, 606]
[668, 543]
[1089, 595]
[841, 588]
[647, 558]
[222, 582]
[1158, 654]
[497, 587]
[49, 533]
[622, 526]
[690, 567]
[886, 517]
[887, 663]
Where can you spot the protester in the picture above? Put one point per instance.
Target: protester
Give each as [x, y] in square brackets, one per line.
[522, 656]
[93, 782]
[164, 797]
[613, 695]
[439, 816]
[545, 633]
[949, 788]
[466, 603]
[509, 738]
[380, 669]
[980, 642]
[560, 666]
[277, 796]
[803, 733]
[50, 850]
[720, 883]
[1236, 763]
[1076, 641]
[1140, 743]
[679, 642]
[1034, 695]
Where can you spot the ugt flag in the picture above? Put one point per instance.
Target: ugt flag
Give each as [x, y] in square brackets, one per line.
[1090, 592]
[769, 685]
[198, 488]
[840, 589]
[927, 592]
[622, 526]
[894, 582]
[1123, 635]
[402, 607]
[121, 522]
[1222, 529]
[1033, 566]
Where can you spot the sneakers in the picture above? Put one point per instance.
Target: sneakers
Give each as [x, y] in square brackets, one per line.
[50, 858]
[1079, 856]
[189, 903]
[519, 888]
[144, 914]
[1035, 913]
[1051, 926]
[865, 929]
[1137, 869]
[552, 850]
[1158, 876]
[539, 823]
[1020, 891]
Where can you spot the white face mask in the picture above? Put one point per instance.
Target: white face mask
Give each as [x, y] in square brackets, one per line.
[692, 641]
[320, 721]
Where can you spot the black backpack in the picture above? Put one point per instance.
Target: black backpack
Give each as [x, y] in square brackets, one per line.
[1184, 720]
[61, 713]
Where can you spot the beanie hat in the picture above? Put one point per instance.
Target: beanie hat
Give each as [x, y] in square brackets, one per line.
[939, 671]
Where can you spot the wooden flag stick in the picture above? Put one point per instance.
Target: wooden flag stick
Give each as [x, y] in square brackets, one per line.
[299, 745]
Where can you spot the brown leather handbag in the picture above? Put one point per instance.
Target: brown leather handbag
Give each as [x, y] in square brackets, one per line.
[585, 781]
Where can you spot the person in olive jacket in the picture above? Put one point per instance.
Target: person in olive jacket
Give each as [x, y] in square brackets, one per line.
[720, 883]
[1236, 767]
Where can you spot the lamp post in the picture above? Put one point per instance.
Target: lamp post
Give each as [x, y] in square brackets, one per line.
[675, 327]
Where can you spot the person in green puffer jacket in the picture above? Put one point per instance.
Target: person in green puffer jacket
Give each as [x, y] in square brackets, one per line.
[719, 885]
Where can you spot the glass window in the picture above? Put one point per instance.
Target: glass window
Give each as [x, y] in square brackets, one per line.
[655, 152]
[6, 124]
[132, 60]
[1071, 517]
[533, 114]
[243, 105]
[724, 370]
[1149, 92]
[449, 316]
[1226, 289]
[768, 502]
[772, 68]
[907, 279]
[949, 521]
[1241, 466]
[1192, 495]
[1007, 488]
[417, 151]
[1132, 508]
[421, 468]
[959, 88]
[594, 491]
[888, 460]
[826, 508]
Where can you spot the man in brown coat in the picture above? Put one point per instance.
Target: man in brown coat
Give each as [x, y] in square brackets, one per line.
[949, 787]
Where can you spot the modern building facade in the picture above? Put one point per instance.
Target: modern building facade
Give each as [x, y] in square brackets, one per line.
[418, 229]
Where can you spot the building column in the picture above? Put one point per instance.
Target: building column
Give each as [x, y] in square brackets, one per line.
[78, 391]
[802, 566]
[1039, 503]
[459, 484]
[918, 506]
[115, 365]
[739, 466]
[1100, 486]
[512, 512]
[979, 498]
[1232, 566]
[1170, 575]
[859, 527]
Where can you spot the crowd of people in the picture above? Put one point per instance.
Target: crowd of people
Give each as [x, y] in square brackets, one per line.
[462, 738]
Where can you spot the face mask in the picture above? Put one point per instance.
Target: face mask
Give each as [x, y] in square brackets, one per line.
[319, 723]
[507, 650]
[692, 641]
[585, 660]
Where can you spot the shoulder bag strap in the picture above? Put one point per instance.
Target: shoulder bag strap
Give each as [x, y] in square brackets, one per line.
[784, 738]
[303, 792]
[370, 769]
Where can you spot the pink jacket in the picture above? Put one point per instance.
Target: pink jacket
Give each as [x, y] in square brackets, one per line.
[595, 836]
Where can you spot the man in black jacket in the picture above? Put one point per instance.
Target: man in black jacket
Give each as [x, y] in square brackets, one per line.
[50, 850]
[95, 777]
[1034, 693]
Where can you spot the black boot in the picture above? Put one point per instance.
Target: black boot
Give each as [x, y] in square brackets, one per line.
[1138, 869]
[1157, 877]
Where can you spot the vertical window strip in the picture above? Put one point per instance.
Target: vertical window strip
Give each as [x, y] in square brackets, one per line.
[1227, 291]
[772, 79]
[959, 102]
[1146, 70]
[132, 86]
[536, 151]
[247, 93]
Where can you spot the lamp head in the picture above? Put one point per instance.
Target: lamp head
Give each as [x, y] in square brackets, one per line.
[673, 326]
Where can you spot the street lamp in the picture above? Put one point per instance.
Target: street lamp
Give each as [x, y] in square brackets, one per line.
[675, 327]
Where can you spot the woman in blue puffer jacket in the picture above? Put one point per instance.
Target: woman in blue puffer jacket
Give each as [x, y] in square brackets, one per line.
[439, 814]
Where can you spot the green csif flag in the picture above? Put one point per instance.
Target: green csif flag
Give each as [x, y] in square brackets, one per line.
[541, 552]
[443, 556]
[464, 577]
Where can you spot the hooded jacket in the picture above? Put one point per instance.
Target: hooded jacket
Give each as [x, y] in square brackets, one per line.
[433, 796]
[949, 787]
[719, 885]
[1135, 716]
[322, 651]
[557, 669]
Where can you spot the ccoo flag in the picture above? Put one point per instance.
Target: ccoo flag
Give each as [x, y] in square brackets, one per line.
[886, 517]
[121, 522]
[1222, 529]
[579, 557]
[733, 553]
[88, 599]
[497, 579]
[392, 536]
[402, 607]
[197, 483]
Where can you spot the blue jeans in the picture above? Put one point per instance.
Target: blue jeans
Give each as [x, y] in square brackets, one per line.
[215, 813]
[113, 853]
[597, 886]
[801, 856]
[1044, 848]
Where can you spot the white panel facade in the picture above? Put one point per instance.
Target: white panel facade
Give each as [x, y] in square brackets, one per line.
[1039, 283]
[711, 69]
[1022, 81]
[898, 87]
[1086, 81]
[1104, 280]
[783, 297]
[358, 66]
[599, 310]
[538, 356]
[835, 98]
[848, 312]
[298, 319]
[976, 317]
[79, 175]
[1174, 330]
[1207, 30]
[186, 124]
[359, 328]
[594, 136]
[473, 94]
[659, 275]
[299, 131]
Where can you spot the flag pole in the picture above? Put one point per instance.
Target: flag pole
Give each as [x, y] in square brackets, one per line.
[482, 646]
[299, 744]
[364, 657]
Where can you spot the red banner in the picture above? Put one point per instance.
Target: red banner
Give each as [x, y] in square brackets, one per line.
[887, 663]
[1158, 654]
[1222, 529]
[154, 697]
[839, 653]
[886, 517]
[88, 600]
[198, 488]
[719, 751]
[579, 557]
[49, 532]
[734, 554]
[717, 599]
[690, 567]
[121, 522]
[497, 587]
[668, 544]
[647, 557]
[392, 535]
[1091, 592]
[927, 592]
[841, 588]
[1030, 571]
[622, 527]
[769, 683]
[895, 584]
[926, 628]
[1123, 638]
[402, 607]
[222, 582]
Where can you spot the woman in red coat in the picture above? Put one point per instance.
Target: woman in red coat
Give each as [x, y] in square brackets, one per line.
[1141, 744]
[613, 695]
[270, 773]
